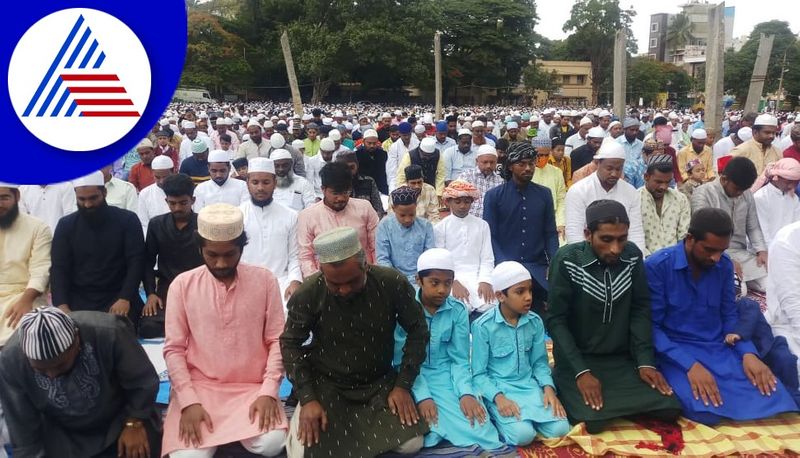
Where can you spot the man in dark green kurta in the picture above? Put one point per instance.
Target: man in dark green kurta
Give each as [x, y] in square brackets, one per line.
[352, 402]
[599, 319]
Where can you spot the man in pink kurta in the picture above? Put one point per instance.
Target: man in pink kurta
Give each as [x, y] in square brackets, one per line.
[336, 209]
[222, 350]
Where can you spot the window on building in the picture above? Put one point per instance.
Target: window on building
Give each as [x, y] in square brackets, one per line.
[564, 79]
[652, 56]
[654, 42]
[581, 80]
[654, 26]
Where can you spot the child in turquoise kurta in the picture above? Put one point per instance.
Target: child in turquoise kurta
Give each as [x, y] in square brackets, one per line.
[509, 362]
[443, 389]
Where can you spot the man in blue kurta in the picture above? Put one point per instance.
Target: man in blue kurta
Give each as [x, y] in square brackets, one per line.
[522, 219]
[693, 309]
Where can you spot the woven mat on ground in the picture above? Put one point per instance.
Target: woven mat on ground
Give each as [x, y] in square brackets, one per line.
[779, 436]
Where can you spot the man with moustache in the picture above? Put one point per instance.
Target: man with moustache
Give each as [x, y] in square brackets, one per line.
[291, 190]
[220, 188]
[271, 228]
[97, 255]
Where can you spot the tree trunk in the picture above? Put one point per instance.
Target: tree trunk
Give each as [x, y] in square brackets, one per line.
[320, 90]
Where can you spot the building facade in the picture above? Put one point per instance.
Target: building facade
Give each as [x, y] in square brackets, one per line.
[574, 80]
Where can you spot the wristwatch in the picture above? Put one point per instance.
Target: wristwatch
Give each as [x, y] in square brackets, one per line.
[133, 424]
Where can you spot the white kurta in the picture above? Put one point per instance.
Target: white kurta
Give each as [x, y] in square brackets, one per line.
[232, 192]
[152, 202]
[775, 210]
[470, 242]
[48, 203]
[396, 153]
[586, 191]
[313, 166]
[298, 196]
[722, 148]
[573, 142]
[272, 241]
[783, 286]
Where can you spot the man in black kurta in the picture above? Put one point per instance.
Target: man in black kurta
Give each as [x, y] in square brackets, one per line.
[345, 373]
[85, 409]
[97, 255]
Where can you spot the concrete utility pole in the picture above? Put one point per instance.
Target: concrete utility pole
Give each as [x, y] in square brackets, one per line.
[287, 56]
[620, 72]
[715, 51]
[759, 73]
[437, 62]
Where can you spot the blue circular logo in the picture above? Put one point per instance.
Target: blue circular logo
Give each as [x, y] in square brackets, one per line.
[86, 82]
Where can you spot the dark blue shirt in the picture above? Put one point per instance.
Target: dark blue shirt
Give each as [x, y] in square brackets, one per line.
[523, 226]
[197, 170]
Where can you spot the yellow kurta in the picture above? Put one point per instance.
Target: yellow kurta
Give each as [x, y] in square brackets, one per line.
[755, 151]
[24, 263]
[687, 154]
[552, 178]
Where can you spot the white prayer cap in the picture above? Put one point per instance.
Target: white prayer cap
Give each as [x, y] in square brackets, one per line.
[507, 274]
[162, 162]
[766, 120]
[245, 119]
[419, 129]
[478, 124]
[145, 143]
[486, 150]
[8, 185]
[268, 125]
[307, 117]
[428, 144]
[199, 146]
[385, 115]
[220, 222]
[245, 137]
[610, 150]
[326, 144]
[335, 135]
[370, 133]
[604, 113]
[614, 123]
[298, 145]
[464, 132]
[203, 115]
[596, 111]
[744, 133]
[427, 119]
[261, 164]
[327, 121]
[534, 118]
[188, 125]
[279, 154]
[276, 140]
[92, 179]
[338, 114]
[699, 134]
[163, 122]
[512, 125]
[596, 132]
[672, 115]
[397, 112]
[348, 125]
[436, 258]
[46, 333]
[253, 122]
[223, 122]
[219, 155]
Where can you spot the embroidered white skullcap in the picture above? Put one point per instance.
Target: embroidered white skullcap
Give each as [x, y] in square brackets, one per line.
[268, 125]
[279, 154]
[298, 144]
[428, 144]
[610, 150]
[596, 132]
[371, 133]
[699, 134]
[486, 150]
[604, 113]
[223, 122]
[766, 120]
[335, 135]
[744, 133]
[464, 132]
[276, 140]
[419, 129]
[436, 258]
[336, 245]
[46, 333]
[261, 164]
[92, 179]
[220, 222]
[162, 163]
[219, 155]
[188, 125]
[585, 120]
[512, 125]
[253, 123]
[478, 124]
[326, 144]
[507, 274]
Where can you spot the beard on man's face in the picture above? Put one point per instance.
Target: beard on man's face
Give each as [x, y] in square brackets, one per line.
[8, 219]
[284, 182]
[93, 215]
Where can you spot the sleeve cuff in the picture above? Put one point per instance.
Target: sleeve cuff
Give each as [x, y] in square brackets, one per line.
[270, 388]
[305, 394]
[37, 283]
[645, 365]
[187, 397]
[581, 373]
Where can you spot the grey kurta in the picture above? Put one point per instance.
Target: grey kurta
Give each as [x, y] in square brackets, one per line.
[80, 414]
[347, 367]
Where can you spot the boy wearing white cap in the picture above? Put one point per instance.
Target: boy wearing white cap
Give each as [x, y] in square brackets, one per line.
[220, 188]
[443, 390]
[760, 149]
[222, 353]
[509, 362]
[152, 201]
[698, 150]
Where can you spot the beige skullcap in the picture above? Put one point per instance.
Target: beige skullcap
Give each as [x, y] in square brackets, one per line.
[220, 222]
[336, 245]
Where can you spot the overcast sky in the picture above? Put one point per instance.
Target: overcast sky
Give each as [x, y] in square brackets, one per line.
[553, 14]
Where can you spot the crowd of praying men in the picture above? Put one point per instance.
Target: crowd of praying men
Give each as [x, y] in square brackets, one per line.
[660, 255]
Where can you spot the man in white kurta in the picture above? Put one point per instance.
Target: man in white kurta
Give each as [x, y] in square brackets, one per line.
[397, 151]
[469, 240]
[314, 164]
[152, 200]
[777, 204]
[291, 190]
[605, 183]
[48, 202]
[783, 286]
[271, 229]
[220, 188]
